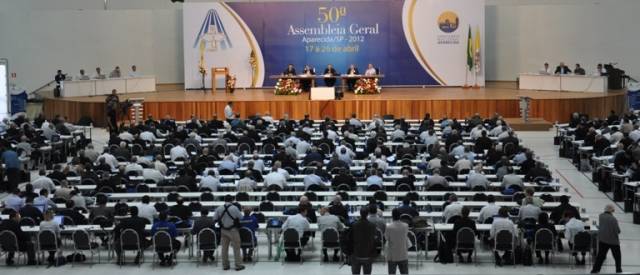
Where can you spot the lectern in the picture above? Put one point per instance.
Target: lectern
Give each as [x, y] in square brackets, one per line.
[223, 71]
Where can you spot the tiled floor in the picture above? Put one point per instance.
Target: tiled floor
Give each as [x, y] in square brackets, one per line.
[579, 184]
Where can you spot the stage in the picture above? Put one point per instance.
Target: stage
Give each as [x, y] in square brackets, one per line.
[407, 102]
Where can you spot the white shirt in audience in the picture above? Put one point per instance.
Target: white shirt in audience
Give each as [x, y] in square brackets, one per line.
[275, 178]
[148, 136]
[161, 167]
[297, 222]
[133, 167]
[126, 136]
[488, 211]
[152, 174]
[110, 159]
[572, 228]
[178, 152]
[147, 211]
[499, 224]
[210, 182]
[44, 182]
[453, 209]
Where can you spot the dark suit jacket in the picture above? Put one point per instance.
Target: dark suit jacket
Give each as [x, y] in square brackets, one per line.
[135, 223]
[14, 227]
[289, 72]
[331, 71]
[31, 212]
[566, 70]
[353, 71]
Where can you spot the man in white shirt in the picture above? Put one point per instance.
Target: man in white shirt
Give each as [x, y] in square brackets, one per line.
[500, 223]
[148, 136]
[600, 71]
[511, 179]
[275, 179]
[458, 150]
[228, 111]
[178, 152]
[311, 180]
[210, 181]
[463, 164]
[134, 72]
[302, 147]
[546, 69]
[82, 76]
[160, 166]
[398, 134]
[476, 132]
[126, 136]
[246, 184]
[152, 174]
[43, 182]
[571, 229]
[133, 166]
[453, 209]
[300, 223]
[375, 180]
[476, 178]
[109, 159]
[98, 74]
[345, 154]
[488, 211]
[145, 210]
[355, 122]
[529, 210]
[429, 137]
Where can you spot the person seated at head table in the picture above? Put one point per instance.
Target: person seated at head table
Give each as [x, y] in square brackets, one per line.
[99, 74]
[115, 73]
[82, 76]
[289, 71]
[328, 72]
[134, 72]
[578, 70]
[351, 82]
[562, 69]
[306, 83]
[371, 70]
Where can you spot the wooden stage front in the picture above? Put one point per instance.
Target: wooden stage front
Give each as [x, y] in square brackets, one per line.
[411, 103]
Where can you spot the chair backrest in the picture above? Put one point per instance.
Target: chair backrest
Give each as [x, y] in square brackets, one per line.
[479, 188]
[242, 196]
[343, 187]
[129, 240]
[465, 238]
[504, 240]
[206, 196]
[207, 239]
[380, 195]
[68, 221]
[324, 147]
[81, 240]
[412, 196]
[344, 195]
[173, 196]
[220, 149]
[266, 206]
[8, 241]
[244, 147]
[290, 236]
[162, 241]
[268, 148]
[379, 238]
[403, 187]
[413, 239]
[582, 242]
[246, 238]
[311, 196]
[273, 196]
[479, 197]
[142, 188]
[547, 198]
[406, 218]
[330, 237]
[373, 187]
[167, 148]
[137, 150]
[47, 240]
[543, 239]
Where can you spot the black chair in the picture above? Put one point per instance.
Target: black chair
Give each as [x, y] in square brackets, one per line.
[207, 241]
[291, 240]
[582, 243]
[48, 242]
[311, 195]
[130, 241]
[547, 198]
[142, 188]
[244, 148]
[466, 241]
[504, 242]
[330, 239]
[479, 197]
[220, 149]
[380, 195]
[163, 243]
[272, 196]
[268, 148]
[27, 221]
[343, 187]
[517, 197]
[207, 196]
[479, 188]
[412, 196]
[82, 242]
[173, 196]
[344, 195]
[373, 188]
[266, 206]
[248, 242]
[9, 244]
[242, 196]
[137, 150]
[167, 148]
[544, 240]
[403, 187]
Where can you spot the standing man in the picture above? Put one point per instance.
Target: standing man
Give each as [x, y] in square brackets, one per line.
[608, 239]
[228, 111]
[112, 101]
[228, 217]
[12, 166]
[363, 235]
[397, 250]
[59, 78]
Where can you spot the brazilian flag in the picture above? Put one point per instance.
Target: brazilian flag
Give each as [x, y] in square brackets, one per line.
[470, 51]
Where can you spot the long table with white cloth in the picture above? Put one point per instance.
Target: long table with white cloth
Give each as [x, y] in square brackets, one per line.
[95, 87]
[566, 82]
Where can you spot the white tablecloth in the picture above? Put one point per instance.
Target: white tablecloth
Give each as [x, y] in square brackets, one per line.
[570, 83]
[105, 86]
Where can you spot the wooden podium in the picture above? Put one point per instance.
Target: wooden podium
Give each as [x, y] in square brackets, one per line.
[224, 71]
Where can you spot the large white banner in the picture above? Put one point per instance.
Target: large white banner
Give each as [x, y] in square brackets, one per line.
[411, 42]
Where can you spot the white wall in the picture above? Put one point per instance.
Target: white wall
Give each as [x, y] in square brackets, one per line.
[39, 36]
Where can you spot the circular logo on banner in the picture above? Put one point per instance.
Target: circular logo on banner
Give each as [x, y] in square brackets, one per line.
[448, 21]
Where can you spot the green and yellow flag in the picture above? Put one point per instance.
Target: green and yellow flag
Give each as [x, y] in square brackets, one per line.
[476, 49]
[470, 51]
